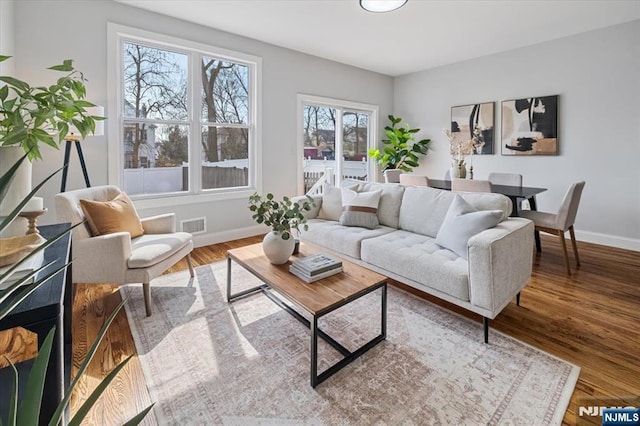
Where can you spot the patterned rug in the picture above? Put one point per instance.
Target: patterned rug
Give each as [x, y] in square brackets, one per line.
[207, 362]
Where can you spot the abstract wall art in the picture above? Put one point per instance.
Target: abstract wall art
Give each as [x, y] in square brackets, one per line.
[466, 118]
[530, 126]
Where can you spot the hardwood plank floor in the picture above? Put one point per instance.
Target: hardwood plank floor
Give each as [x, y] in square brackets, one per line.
[590, 318]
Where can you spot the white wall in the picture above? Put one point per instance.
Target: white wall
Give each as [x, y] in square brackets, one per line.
[597, 75]
[49, 31]
[7, 45]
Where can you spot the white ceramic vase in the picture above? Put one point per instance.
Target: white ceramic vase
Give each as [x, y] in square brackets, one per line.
[276, 249]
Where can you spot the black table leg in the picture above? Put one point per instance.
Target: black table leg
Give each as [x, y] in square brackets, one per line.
[533, 206]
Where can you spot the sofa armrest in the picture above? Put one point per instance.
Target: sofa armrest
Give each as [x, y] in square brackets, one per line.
[500, 263]
[101, 259]
[160, 224]
[315, 209]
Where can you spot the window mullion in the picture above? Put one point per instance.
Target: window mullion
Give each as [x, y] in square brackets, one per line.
[195, 129]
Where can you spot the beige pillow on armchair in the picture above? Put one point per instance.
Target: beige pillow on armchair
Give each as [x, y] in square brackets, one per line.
[117, 215]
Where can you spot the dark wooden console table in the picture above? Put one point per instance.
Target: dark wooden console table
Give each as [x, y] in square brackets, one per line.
[39, 313]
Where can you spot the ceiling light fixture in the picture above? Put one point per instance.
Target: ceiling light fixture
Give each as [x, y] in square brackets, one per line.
[381, 5]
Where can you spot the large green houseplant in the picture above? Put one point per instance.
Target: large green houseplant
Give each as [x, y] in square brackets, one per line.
[401, 150]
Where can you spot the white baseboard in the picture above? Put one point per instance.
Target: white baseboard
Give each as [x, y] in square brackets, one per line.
[233, 234]
[608, 240]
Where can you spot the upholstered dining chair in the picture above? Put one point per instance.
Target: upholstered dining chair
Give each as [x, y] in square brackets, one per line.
[116, 257]
[414, 180]
[470, 185]
[559, 223]
[510, 179]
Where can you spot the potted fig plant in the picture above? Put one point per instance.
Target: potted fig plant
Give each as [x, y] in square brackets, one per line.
[283, 217]
[401, 150]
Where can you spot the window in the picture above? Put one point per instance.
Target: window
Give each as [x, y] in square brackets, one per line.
[334, 137]
[186, 117]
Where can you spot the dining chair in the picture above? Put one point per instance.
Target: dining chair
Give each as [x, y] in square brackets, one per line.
[510, 179]
[560, 222]
[414, 180]
[470, 185]
[116, 257]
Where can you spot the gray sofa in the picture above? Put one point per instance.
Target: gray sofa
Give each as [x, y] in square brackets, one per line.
[403, 246]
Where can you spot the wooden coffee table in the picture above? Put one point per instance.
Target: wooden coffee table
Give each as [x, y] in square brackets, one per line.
[318, 298]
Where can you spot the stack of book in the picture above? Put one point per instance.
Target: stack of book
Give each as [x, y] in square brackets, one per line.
[315, 267]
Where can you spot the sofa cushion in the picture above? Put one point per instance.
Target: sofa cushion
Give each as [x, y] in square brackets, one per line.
[331, 208]
[150, 249]
[341, 239]
[117, 215]
[423, 209]
[461, 223]
[360, 208]
[420, 259]
[390, 199]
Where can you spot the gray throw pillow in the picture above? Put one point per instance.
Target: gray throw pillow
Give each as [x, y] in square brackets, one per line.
[360, 208]
[331, 208]
[463, 222]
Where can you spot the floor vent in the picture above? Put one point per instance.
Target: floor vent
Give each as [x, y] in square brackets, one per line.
[194, 226]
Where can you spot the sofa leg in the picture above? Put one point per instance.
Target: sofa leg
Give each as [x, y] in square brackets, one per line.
[485, 324]
[190, 263]
[518, 299]
[146, 288]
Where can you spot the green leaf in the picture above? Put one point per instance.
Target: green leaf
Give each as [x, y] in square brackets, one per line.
[8, 219]
[66, 66]
[137, 419]
[14, 82]
[7, 177]
[55, 419]
[29, 411]
[84, 409]
[13, 398]
[4, 92]
[4, 58]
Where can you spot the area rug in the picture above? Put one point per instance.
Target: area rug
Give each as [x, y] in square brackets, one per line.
[247, 363]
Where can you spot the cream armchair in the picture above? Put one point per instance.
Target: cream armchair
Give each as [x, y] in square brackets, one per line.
[117, 258]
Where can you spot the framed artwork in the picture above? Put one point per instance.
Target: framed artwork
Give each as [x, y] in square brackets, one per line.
[466, 118]
[530, 126]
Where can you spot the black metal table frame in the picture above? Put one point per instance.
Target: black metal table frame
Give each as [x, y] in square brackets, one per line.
[348, 355]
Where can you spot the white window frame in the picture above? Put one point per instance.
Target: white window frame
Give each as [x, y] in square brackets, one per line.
[117, 35]
[343, 105]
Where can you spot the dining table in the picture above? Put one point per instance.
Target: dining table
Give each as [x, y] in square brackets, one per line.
[515, 193]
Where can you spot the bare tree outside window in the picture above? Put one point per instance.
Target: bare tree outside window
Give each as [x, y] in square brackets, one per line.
[155, 88]
[225, 110]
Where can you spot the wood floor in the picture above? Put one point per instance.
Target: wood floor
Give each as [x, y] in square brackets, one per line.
[591, 318]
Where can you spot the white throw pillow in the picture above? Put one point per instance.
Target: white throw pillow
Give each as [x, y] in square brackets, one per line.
[461, 223]
[360, 208]
[331, 207]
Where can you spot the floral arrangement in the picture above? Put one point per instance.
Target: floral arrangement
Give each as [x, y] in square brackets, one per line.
[460, 148]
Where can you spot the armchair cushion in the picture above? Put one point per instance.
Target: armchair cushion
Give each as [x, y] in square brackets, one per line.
[148, 250]
[117, 215]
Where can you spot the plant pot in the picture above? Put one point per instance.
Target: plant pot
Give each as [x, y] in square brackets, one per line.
[276, 249]
[21, 184]
[392, 175]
